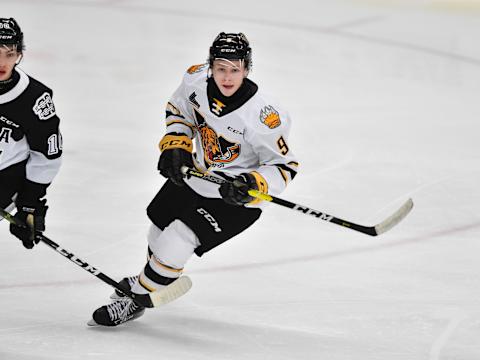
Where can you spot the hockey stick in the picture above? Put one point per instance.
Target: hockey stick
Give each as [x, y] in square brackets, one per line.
[378, 229]
[10, 207]
[153, 299]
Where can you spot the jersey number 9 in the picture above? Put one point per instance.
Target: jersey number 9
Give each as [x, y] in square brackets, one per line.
[282, 145]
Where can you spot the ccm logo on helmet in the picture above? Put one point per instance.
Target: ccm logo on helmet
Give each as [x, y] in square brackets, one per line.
[210, 219]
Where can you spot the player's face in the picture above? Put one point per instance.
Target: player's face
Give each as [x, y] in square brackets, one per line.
[228, 75]
[8, 58]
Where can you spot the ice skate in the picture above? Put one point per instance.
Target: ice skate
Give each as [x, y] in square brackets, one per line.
[116, 313]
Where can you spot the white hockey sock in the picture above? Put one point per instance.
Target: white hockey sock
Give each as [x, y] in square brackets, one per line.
[139, 289]
[155, 276]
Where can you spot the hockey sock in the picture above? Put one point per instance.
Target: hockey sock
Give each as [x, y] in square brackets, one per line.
[155, 276]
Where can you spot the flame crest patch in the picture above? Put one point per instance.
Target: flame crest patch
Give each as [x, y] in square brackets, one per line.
[270, 117]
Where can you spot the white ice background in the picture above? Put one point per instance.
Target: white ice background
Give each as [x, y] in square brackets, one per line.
[384, 97]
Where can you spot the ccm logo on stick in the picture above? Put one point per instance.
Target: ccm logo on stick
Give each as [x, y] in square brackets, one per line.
[76, 260]
[315, 213]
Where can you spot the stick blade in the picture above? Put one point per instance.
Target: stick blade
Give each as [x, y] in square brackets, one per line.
[395, 218]
[171, 292]
[5, 214]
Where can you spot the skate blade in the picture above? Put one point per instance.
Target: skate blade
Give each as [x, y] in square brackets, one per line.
[115, 296]
[92, 322]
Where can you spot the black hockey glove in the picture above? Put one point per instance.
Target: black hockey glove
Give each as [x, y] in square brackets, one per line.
[176, 152]
[34, 217]
[235, 192]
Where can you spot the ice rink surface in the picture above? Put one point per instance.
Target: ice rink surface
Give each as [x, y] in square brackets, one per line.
[384, 97]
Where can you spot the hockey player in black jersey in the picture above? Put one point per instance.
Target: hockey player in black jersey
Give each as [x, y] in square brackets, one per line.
[30, 140]
[239, 134]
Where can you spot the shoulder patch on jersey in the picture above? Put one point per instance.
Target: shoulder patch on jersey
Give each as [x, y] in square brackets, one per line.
[270, 117]
[196, 68]
[44, 107]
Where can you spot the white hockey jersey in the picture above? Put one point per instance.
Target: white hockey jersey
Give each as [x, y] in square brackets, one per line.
[251, 137]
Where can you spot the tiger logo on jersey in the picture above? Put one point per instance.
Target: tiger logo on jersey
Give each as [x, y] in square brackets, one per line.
[209, 142]
[216, 148]
[270, 117]
[196, 68]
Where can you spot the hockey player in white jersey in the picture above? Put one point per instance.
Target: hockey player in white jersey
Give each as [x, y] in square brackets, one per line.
[238, 134]
[30, 140]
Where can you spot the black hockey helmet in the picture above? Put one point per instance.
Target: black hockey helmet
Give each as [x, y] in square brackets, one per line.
[11, 34]
[231, 46]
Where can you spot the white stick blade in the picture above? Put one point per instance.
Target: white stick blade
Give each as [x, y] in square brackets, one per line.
[8, 209]
[171, 292]
[395, 218]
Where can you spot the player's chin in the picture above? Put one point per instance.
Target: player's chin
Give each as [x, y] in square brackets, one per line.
[228, 90]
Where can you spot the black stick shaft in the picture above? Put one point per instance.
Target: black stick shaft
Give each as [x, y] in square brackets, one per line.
[143, 300]
[300, 208]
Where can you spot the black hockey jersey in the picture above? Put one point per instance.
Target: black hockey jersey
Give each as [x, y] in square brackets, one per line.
[29, 130]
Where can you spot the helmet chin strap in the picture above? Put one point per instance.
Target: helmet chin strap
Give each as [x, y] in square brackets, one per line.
[20, 57]
[14, 47]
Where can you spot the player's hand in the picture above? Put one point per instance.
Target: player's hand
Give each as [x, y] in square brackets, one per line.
[33, 215]
[171, 162]
[176, 151]
[235, 192]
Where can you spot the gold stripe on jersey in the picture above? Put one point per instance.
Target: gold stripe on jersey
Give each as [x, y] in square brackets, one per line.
[284, 174]
[284, 170]
[176, 142]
